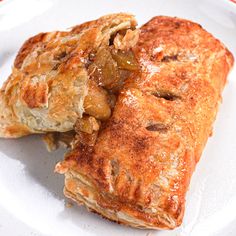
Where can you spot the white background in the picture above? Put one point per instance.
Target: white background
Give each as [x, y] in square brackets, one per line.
[31, 198]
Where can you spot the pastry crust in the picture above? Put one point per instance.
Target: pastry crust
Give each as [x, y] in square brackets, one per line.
[48, 84]
[139, 170]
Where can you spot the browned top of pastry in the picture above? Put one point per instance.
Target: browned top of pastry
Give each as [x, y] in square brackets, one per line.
[143, 159]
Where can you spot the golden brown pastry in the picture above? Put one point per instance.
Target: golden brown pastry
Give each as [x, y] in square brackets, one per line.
[49, 90]
[137, 169]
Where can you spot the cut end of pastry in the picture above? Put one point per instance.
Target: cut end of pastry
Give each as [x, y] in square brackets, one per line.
[60, 76]
[108, 66]
[10, 127]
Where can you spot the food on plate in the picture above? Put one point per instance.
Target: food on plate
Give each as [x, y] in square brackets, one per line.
[138, 170]
[59, 76]
[135, 107]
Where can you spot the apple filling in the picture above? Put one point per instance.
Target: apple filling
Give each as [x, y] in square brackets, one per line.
[107, 68]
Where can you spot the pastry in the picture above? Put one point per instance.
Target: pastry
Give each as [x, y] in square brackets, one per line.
[49, 89]
[137, 169]
[135, 108]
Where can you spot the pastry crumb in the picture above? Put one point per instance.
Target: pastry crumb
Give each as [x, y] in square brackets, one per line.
[68, 204]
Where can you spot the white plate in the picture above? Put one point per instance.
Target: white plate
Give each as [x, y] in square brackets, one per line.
[31, 198]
